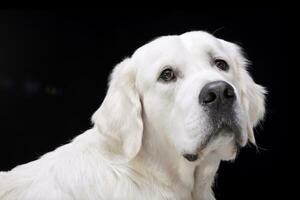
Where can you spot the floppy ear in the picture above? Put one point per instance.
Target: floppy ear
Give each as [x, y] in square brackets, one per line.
[253, 100]
[252, 96]
[119, 120]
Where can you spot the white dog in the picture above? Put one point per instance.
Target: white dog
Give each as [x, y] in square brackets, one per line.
[173, 111]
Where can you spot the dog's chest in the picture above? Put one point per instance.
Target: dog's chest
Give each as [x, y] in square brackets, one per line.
[151, 192]
[150, 189]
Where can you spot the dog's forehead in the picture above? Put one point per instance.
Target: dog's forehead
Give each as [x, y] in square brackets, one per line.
[196, 42]
[164, 44]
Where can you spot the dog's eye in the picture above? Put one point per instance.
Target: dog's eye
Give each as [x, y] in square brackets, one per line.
[221, 64]
[167, 75]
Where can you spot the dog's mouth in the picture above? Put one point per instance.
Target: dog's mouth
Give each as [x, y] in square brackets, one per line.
[223, 129]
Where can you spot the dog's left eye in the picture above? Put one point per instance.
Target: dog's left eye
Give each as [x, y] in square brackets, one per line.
[167, 75]
[221, 64]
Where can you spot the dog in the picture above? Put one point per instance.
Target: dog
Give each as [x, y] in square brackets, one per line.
[173, 110]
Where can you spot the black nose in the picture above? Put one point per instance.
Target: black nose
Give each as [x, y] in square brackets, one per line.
[217, 94]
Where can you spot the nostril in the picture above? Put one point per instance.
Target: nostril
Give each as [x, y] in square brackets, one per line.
[210, 97]
[229, 93]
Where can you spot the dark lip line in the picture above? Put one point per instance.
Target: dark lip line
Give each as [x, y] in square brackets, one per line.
[217, 132]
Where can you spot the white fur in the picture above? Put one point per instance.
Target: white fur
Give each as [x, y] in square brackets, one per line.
[134, 150]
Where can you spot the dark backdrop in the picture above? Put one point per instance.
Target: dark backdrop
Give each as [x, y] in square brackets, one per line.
[54, 67]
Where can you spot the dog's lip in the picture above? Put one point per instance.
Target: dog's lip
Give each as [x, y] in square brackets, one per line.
[238, 141]
[237, 134]
[191, 157]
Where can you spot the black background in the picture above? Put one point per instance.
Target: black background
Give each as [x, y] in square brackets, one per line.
[54, 66]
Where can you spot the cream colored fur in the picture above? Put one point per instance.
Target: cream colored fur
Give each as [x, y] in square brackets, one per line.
[143, 127]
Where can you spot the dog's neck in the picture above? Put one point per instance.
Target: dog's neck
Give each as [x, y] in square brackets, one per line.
[169, 168]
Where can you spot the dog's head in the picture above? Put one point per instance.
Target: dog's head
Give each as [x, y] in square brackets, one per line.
[192, 89]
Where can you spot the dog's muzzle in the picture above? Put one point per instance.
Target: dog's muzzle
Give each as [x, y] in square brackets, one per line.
[218, 100]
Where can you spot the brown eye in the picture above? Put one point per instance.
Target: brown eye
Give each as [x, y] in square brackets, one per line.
[167, 75]
[221, 64]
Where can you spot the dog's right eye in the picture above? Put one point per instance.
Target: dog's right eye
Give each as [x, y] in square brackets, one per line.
[167, 75]
[221, 64]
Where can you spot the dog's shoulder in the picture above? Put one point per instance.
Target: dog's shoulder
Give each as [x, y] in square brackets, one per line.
[55, 172]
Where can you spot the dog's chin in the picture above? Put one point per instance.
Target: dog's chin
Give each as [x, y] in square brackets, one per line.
[223, 145]
[226, 152]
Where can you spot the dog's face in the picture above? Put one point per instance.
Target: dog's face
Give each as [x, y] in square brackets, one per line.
[193, 89]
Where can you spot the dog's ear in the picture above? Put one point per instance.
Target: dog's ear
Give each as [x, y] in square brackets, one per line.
[253, 100]
[252, 95]
[118, 120]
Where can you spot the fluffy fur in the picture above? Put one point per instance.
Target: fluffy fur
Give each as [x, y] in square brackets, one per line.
[144, 126]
